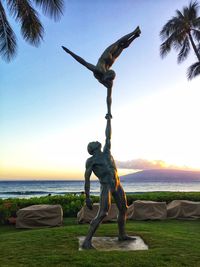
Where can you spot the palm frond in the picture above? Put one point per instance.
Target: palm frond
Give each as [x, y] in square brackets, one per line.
[174, 40]
[165, 47]
[179, 14]
[198, 47]
[196, 23]
[178, 40]
[53, 8]
[173, 25]
[193, 71]
[192, 10]
[184, 51]
[196, 34]
[31, 27]
[7, 37]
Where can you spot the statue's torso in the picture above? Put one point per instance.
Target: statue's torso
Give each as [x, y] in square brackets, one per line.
[104, 167]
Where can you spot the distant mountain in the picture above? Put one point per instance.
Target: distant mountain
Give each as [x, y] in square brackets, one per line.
[162, 175]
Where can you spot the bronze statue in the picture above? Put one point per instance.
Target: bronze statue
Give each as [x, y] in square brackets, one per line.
[102, 163]
[102, 70]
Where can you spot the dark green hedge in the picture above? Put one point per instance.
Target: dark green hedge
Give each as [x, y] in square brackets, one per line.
[71, 203]
[164, 196]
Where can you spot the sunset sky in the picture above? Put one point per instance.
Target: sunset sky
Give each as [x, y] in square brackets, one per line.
[51, 106]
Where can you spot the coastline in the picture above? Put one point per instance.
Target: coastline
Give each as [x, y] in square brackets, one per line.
[39, 188]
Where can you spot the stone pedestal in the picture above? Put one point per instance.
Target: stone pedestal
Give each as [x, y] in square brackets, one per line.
[106, 243]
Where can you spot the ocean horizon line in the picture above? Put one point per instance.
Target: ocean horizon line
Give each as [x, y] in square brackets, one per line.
[37, 188]
[41, 180]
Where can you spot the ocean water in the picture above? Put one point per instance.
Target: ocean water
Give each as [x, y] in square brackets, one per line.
[36, 188]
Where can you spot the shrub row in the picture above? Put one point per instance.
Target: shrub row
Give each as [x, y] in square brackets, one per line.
[164, 196]
[71, 203]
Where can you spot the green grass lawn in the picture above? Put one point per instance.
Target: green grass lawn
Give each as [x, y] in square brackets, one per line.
[171, 243]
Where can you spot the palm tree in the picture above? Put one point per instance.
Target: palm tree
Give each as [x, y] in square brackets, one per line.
[24, 12]
[182, 32]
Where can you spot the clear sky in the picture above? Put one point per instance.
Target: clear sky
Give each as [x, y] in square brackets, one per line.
[51, 106]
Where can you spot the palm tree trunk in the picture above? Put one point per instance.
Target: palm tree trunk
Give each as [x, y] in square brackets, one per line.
[194, 46]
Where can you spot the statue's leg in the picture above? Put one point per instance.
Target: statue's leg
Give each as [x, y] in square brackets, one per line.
[126, 37]
[124, 42]
[130, 40]
[116, 48]
[121, 202]
[104, 205]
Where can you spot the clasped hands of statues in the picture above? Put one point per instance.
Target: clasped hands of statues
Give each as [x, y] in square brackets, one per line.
[108, 116]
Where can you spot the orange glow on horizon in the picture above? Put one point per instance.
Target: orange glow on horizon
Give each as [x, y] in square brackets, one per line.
[25, 173]
[75, 174]
[46, 174]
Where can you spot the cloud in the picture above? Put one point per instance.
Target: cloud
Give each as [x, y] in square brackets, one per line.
[143, 164]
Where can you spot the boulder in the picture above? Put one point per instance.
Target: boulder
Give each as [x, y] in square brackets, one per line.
[183, 209]
[147, 210]
[86, 215]
[37, 216]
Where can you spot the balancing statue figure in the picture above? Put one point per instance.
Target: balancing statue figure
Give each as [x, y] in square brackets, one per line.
[102, 163]
[102, 70]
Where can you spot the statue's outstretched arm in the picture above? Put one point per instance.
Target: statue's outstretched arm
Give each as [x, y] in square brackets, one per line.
[108, 132]
[89, 66]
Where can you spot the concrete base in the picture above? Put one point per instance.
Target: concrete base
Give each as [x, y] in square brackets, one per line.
[111, 243]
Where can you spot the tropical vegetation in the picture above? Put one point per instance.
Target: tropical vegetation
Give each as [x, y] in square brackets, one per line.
[182, 32]
[24, 12]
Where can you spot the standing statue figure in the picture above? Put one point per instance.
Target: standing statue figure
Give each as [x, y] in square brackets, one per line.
[103, 166]
[102, 70]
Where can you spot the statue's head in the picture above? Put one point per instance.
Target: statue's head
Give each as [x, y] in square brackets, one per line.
[93, 146]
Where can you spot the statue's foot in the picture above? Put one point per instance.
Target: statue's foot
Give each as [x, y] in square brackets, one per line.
[87, 245]
[66, 50]
[126, 238]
